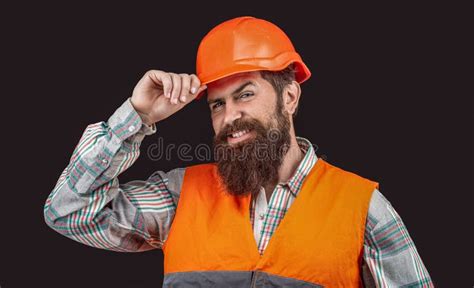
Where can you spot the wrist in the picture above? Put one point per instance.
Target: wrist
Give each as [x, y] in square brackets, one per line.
[144, 116]
[145, 119]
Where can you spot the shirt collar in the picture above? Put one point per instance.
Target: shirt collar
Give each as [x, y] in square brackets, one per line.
[309, 159]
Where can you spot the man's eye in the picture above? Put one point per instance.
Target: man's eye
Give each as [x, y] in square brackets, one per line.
[216, 105]
[245, 95]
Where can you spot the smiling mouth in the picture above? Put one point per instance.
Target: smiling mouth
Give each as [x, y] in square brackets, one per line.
[239, 136]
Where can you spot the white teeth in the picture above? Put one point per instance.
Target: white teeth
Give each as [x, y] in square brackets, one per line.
[239, 134]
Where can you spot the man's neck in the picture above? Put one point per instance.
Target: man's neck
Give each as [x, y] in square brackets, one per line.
[288, 167]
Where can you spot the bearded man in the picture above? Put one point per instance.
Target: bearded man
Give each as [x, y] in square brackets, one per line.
[267, 213]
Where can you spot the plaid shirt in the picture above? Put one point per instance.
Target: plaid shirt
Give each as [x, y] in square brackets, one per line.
[89, 205]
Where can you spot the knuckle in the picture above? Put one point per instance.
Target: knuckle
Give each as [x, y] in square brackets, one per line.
[186, 83]
[197, 81]
[154, 71]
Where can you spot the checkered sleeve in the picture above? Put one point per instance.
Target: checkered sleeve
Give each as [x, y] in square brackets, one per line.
[89, 205]
[389, 252]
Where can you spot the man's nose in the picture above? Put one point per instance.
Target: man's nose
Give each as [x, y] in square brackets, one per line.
[231, 114]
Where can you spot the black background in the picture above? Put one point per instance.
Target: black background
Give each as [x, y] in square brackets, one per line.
[384, 102]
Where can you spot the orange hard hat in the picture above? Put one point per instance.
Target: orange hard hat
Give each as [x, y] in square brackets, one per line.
[245, 44]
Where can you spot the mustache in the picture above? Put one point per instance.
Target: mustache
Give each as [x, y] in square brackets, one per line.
[238, 125]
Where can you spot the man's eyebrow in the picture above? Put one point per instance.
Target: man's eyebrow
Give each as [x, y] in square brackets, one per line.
[236, 91]
[242, 87]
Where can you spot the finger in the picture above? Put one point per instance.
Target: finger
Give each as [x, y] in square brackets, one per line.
[191, 97]
[167, 84]
[161, 79]
[199, 90]
[202, 88]
[195, 83]
[176, 91]
[185, 86]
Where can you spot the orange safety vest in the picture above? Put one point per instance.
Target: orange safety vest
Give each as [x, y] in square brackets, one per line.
[318, 243]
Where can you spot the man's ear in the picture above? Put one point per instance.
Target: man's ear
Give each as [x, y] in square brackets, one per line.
[291, 97]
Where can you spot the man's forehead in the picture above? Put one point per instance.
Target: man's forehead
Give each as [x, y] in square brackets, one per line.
[228, 84]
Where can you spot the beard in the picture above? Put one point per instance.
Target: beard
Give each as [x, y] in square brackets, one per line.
[247, 166]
